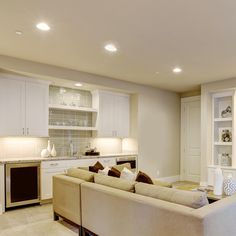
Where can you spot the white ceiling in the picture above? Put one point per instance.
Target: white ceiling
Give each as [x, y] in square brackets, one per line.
[152, 35]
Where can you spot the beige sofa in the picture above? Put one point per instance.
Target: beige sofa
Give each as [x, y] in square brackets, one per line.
[108, 211]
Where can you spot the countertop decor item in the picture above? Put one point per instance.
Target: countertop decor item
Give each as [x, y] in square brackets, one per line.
[229, 185]
[218, 181]
[45, 153]
[49, 147]
[53, 152]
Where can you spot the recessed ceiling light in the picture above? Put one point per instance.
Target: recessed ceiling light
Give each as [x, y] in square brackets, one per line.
[110, 47]
[78, 85]
[177, 70]
[43, 26]
[18, 32]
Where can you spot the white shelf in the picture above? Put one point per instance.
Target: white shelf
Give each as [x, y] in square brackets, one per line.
[60, 127]
[72, 108]
[223, 143]
[223, 119]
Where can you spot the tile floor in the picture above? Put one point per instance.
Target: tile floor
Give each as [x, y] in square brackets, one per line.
[34, 221]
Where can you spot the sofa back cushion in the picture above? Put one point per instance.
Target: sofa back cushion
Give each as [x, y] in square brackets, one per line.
[114, 182]
[81, 174]
[187, 198]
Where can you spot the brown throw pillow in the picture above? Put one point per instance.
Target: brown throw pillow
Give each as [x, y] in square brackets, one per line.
[114, 172]
[144, 178]
[96, 167]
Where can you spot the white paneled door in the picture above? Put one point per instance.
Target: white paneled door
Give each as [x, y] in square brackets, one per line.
[190, 138]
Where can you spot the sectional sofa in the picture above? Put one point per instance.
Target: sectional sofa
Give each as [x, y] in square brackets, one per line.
[109, 206]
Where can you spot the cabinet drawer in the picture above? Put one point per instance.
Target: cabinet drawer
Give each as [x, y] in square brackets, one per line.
[53, 164]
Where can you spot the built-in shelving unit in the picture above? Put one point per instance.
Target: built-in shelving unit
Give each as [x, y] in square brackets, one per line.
[61, 127]
[71, 109]
[222, 128]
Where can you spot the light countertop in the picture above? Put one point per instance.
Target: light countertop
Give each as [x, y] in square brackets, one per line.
[39, 159]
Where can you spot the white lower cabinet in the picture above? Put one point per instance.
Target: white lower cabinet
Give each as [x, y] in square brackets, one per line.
[51, 168]
[226, 171]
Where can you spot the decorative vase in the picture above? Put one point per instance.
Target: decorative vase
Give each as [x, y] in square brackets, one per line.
[45, 153]
[49, 147]
[218, 181]
[53, 152]
[229, 185]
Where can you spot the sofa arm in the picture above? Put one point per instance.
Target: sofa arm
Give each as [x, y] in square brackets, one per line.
[219, 217]
[66, 197]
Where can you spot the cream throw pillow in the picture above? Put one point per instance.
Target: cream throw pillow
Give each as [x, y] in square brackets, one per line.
[104, 171]
[127, 174]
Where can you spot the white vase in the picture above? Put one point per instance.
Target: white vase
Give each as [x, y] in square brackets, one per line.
[53, 152]
[45, 153]
[218, 181]
[229, 185]
[49, 147]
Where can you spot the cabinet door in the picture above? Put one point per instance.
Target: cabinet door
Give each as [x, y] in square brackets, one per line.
[121, 121]
[108, 161]
[36, 109]
[12, 103]
[46, 181]
[106, 115]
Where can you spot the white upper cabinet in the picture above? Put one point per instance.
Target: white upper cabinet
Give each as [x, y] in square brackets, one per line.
[37, 109]
[12, 104]
[114, 114]
[24, 107]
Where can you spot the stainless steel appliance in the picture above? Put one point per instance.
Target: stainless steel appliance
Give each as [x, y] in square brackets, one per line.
[22, 184]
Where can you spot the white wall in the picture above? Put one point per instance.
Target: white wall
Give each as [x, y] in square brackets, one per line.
[159, 130]
[158, 119]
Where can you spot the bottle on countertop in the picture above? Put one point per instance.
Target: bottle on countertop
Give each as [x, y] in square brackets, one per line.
[49, 147]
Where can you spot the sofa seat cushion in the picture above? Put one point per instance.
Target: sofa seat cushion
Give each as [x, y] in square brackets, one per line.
[81, 174]
[186, 198]
[114, 182]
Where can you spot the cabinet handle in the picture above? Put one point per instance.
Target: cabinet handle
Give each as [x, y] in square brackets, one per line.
[23, 129]
[54, 164]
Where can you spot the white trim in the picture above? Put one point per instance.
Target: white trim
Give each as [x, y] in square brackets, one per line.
[191, 99]
[170, 179]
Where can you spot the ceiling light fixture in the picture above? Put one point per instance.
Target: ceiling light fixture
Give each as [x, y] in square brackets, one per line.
[18, 32]
[78, 85]
[177, 70]
[43, 26]
[110, 47]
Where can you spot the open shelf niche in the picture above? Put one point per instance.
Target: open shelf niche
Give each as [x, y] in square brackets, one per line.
[223, 129]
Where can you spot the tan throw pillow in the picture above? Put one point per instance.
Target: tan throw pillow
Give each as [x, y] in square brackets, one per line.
[144, 178]
[114, 182]
[122, 166]
[81, 174]
[187, 198]
[114, 173]
[161, 183]
[96, 167]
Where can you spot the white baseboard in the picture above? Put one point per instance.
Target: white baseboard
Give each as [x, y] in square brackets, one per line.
[170, 179]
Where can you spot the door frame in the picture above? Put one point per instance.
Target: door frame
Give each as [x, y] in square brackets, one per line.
[182, 138]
